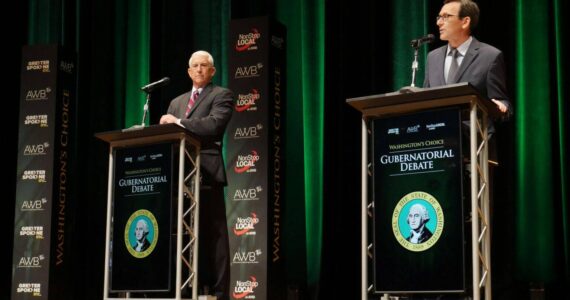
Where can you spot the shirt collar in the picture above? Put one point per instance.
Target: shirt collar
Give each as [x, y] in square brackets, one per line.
[199, 90]
[462, 48]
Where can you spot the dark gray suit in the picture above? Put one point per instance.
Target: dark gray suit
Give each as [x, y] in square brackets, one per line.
[483, 66]
[208, 119]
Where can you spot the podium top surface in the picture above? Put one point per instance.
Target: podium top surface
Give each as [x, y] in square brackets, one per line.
[169, 131]
[422, 98]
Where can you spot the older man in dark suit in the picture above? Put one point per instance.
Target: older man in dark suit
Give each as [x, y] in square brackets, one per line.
[206, 111]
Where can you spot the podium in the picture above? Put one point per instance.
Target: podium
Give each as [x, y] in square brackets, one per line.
[412, 141]
[151, 246]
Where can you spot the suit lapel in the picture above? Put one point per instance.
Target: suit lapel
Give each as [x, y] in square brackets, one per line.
[470, 56]
[441, 66]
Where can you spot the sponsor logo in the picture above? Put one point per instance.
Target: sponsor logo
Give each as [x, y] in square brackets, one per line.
[33, 288]
[33, 205]
[155, 156]
[246, 257]
[246, 163]
[395, 131]
[37, 231]
[245, 289]
[141, 233]
[417, 221]
[39, 149]
[434, 126]
[247, 41]
[413, 129]
[247, 102]
[247, 194]
[66, 67]
[37, 95]
[41, 120]
[31, 261]
[251, 132]
[141, 158]
[277, 42]
[38, 65]
[246, 226]
[39, 175]
[129, 159]
[248, 71]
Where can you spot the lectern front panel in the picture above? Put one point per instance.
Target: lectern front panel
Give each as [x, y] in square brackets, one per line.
[417, 194]
[141, 244]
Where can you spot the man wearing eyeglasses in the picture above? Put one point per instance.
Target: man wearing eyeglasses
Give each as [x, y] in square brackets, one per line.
[464, 58]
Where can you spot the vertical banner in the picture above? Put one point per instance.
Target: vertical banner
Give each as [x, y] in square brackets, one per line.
[418, 212]
[142, 218]
[40, 259]
[255, 144]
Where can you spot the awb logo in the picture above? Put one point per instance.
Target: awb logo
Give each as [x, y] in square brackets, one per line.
[247, 102]
[248, 71]
[247, 132]
[248, 41]
[35, 95]
[247, 257]
[33, 205]
[246, 163]
[247, 194]
[245, 289]
[246, 226]
[39, 149]
[31, 261]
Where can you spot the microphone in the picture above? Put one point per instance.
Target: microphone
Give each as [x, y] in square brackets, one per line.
[151, 86]
[423, 40]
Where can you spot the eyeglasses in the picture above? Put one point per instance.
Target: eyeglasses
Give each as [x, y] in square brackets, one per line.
[443, 17]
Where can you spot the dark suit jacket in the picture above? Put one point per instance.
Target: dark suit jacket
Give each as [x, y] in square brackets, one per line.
[207, 119]
[483, 66]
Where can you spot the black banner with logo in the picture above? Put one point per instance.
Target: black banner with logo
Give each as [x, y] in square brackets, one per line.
[255, 147]
[417, 192]
[43, 215]
[142, 218]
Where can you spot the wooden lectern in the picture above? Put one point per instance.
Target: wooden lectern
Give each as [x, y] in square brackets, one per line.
[159, 163]
[474, 112]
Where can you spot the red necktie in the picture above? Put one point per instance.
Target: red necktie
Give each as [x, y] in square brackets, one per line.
[191, 102]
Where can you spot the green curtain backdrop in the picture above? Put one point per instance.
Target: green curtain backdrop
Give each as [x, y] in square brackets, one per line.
[561, 32]
[45, 22]
[136, 56]
[541, 212]
[305, 21]
[409, 22]
[210, 22]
